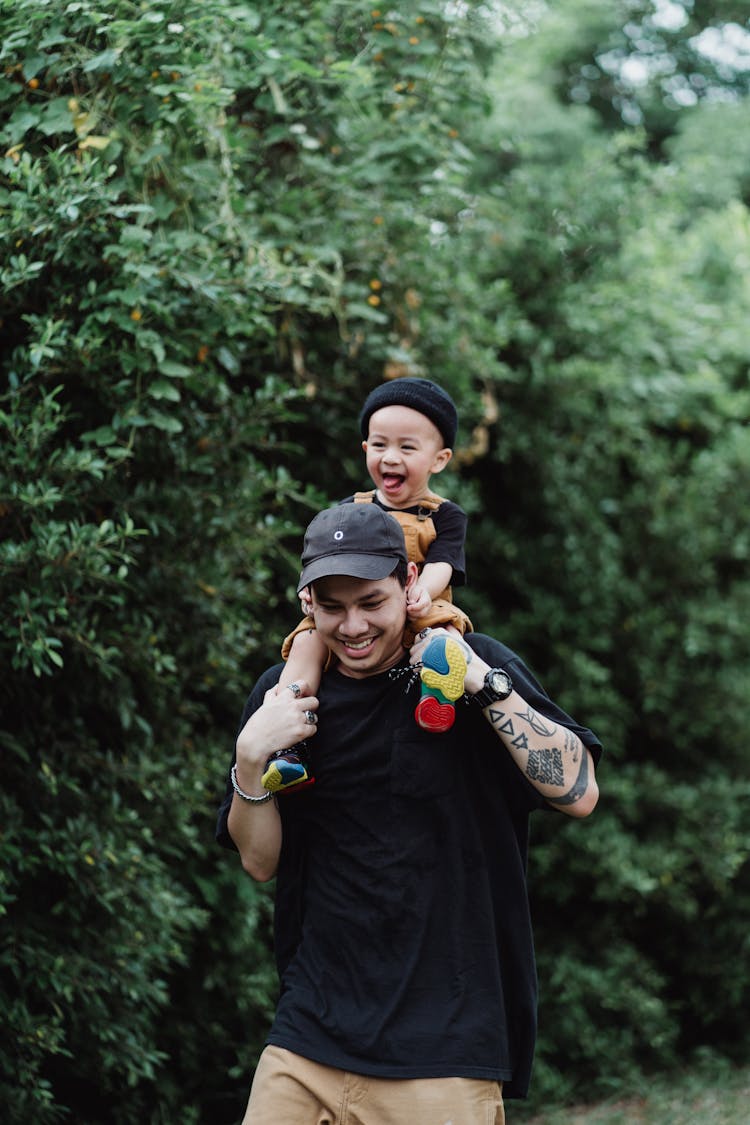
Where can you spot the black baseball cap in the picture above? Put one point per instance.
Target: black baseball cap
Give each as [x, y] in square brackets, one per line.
[359, 540]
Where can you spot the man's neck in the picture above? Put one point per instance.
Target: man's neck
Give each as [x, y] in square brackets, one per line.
[386, 666]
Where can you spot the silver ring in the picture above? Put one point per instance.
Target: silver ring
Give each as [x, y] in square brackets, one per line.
[424, 633]
[311, 718]
[295, 689]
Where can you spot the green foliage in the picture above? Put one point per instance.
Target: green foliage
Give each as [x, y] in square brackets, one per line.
[711, 1093]
[643, 62]
[618, 479]
[211, 220]
[220, 226]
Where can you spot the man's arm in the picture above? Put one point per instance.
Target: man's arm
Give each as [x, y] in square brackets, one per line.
[550, 756]
[256, 829]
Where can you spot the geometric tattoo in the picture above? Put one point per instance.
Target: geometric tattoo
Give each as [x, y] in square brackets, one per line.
[496, 716]
[546, 767]
[536, 723]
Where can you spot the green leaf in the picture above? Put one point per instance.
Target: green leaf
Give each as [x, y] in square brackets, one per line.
[362, 311]
[163, 389]
[56, 118]
[173, 369]
[165, 422]
[106, 60]
[21, 121]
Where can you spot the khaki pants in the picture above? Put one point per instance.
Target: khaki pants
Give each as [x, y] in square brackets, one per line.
[291, 1090]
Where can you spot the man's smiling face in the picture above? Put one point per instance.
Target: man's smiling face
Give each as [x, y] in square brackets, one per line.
[362, 621]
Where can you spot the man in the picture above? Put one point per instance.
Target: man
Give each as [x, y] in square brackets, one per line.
[402, 931]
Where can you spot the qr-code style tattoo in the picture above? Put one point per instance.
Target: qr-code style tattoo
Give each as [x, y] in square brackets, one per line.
[545, 766]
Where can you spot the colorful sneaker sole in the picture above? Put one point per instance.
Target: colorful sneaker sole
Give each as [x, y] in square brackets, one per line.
[283, 774]
[444, 667]
[433, 715]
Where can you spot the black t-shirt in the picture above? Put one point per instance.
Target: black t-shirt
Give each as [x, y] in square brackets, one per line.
[402, 929]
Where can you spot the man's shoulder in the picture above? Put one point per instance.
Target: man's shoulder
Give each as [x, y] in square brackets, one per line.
[493, 651]
[499, 655]
[269, 677]
[264, 681]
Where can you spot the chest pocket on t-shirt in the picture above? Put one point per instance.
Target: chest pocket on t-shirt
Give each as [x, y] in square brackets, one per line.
[423, 765]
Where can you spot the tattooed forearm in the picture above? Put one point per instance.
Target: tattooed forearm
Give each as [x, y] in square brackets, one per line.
[544, 765]
[580, 785]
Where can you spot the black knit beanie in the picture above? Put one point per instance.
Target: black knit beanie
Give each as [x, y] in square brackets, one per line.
[420, 394]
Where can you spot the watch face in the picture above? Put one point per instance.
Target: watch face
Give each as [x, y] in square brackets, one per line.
[497, 685]
[499, 681]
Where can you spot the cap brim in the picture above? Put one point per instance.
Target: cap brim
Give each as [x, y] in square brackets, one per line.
[369, 567]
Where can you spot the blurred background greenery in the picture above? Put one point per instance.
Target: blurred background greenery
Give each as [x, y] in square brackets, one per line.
[221, 225]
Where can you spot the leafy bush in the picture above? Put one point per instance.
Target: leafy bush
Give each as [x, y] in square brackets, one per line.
[615, 537]
[221, 227]
[205, 219]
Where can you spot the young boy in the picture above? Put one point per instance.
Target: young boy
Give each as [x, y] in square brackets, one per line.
[408, 428]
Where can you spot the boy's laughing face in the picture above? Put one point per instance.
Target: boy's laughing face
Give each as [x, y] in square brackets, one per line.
[403, 449]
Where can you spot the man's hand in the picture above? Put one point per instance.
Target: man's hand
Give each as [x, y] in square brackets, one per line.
[286, 716]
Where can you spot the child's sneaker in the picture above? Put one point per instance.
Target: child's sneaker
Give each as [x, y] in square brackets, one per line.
[443, 671]
[286, 769]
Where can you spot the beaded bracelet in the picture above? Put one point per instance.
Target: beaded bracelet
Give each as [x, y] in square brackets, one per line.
[246, 796]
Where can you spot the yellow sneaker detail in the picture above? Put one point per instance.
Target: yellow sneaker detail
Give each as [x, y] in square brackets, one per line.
[444, 667]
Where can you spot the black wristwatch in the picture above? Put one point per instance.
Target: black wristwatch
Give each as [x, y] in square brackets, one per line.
[497, 685]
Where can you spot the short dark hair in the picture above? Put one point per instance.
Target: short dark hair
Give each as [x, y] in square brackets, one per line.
[400, 572]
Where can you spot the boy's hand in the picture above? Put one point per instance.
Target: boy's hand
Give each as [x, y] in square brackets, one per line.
[305, 602]
[418, 601]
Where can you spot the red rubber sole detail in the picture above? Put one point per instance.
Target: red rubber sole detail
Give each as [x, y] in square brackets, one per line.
[433, 715]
